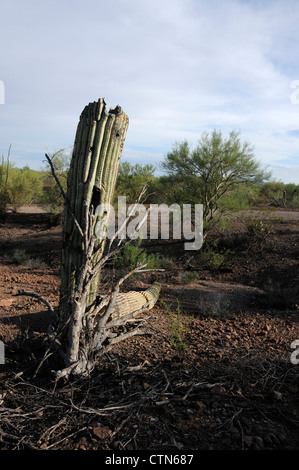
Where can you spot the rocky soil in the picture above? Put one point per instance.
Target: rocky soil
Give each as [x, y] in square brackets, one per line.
[230, 384]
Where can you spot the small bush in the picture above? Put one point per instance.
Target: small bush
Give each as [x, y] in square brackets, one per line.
[20, 257]
[214, 305]
[34, 263]
[25, 186]
[213, 256]
[51, 195]
[133, 255]
[178, 329]
[292, 195]
[258, 228]
[187, 278]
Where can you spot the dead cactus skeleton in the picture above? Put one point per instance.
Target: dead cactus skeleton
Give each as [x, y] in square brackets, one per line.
[85, 320]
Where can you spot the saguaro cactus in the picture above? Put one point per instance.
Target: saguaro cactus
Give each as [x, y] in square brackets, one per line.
[92, 177]
[85, 319]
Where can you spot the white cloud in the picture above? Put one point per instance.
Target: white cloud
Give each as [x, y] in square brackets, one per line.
[177, 67]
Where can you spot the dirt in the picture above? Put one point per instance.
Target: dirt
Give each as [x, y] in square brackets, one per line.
[231, 385]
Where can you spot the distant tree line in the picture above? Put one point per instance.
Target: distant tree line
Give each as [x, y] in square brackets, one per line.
[220, 173]
[19, 186]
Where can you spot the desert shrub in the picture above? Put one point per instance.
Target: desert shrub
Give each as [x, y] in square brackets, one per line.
[34, 263]
[257, 227]
[278, 194]
[162, 189]
[20, 257]
[51, 195]
[292, 195]
[241, 197]
[178, 328]
[132, 178]
[25, 186]
[132, 255]
[271, 192]
[189, 277]
[257, 232]
[214, 305]
[214, 256]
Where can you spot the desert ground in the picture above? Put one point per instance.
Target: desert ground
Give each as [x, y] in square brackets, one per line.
[235, 387]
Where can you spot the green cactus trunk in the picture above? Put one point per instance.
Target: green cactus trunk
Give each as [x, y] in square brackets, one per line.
[92, 178]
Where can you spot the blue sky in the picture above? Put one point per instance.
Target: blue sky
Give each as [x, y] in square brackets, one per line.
[178, 68]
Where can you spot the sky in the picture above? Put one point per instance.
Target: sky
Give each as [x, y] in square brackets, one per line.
[178, 68]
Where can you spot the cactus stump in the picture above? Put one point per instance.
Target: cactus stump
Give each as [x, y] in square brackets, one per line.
[85, 319]
[92, 178]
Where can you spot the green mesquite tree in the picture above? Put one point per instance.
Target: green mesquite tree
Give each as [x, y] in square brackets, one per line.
[208, 172]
